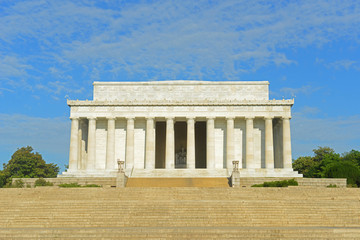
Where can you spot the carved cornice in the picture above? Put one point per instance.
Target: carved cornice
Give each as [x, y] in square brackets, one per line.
[288, 102]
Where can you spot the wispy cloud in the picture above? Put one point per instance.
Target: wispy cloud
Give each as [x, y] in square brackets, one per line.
[293, 92]
[58, 87]
[170, 39]
[346, 64]
[12, 67]
[229, 36]
[5, 90]
[307, 110]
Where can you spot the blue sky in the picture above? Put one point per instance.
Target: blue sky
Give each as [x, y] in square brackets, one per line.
[54, 50]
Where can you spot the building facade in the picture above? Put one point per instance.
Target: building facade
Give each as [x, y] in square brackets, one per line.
[181, 129]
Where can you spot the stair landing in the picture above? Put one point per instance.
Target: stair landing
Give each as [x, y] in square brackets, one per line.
[177, 182]
[179, 173]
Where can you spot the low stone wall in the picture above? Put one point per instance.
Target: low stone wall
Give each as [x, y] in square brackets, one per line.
[105, 182]
[244, 182]
[305, 182]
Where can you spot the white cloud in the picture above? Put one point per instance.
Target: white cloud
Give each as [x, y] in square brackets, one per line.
[11, 67]
[346, 64]
[55, 88]
[229, 36]
[175, 39]
[5, 90]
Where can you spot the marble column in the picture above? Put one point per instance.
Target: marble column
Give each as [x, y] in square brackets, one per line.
[129, 154]
[79, 155]
[269, 145]
[150, 144]
[91, 144]
[250, 164]
[287, 158]
[190, 148]
[210, 143]
[74, 145]
[110, 145]
[230, 155]
[170, 144]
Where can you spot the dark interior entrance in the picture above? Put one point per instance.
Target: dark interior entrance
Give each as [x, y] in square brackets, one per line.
[200, 145]
[180, 144]
[180, 130]
[160, 144]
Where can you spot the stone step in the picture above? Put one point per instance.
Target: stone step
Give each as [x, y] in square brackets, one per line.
[180, 173]
[180, 213]
[183, 233]
[177, 182]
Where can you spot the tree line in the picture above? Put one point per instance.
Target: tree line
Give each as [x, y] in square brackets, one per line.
[326, 163]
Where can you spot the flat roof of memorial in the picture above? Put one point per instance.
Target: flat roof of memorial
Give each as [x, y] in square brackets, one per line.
[184, 82]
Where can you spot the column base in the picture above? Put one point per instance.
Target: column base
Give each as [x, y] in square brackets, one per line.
[176, 173]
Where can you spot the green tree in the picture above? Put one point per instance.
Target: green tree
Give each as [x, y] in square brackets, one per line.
[343, 169]
[26, 164]
[327, 160]
[352, 156]
[320, 152]
[305, 165]
[313, 167]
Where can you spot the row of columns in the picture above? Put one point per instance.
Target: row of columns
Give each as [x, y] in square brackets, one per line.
[170, 144]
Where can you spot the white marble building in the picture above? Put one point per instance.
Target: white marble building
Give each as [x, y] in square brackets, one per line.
[181, 129]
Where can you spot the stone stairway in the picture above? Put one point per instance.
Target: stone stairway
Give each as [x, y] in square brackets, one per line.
[180, 213]
[179, 173]
[177, 182]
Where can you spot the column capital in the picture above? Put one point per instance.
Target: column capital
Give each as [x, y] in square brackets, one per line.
[190, 118]
[111, 118]
[130, 119]
[210, 118]
[170, 118]
[249, 118]
[268, 118]
[74, 118]
[92, 118]
[286, 118]
[149, 118]
[230, 118]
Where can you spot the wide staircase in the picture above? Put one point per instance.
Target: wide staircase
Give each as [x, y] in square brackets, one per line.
[180, 213]
[177, 182]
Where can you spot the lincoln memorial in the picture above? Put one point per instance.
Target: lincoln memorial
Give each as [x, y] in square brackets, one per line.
[180, 129]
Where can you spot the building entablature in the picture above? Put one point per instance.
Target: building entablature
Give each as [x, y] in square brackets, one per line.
[186, 111]
[166, 102]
